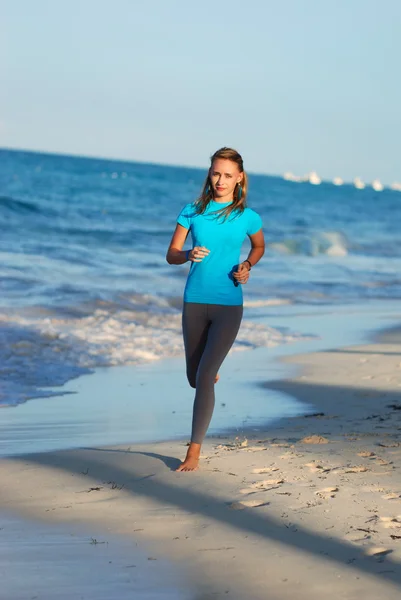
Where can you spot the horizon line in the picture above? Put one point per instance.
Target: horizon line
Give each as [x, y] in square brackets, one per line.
[169, 165]
[122, 160]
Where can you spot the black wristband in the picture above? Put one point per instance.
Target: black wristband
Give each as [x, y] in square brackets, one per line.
[249, 263]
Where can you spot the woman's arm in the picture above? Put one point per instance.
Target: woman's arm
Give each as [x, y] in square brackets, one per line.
[254, 256]
[175, 254]
[257, 247]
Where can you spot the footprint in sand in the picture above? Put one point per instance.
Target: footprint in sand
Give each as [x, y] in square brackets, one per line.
[263, 486]
[391, 522]
[280, 445]
[372, 488]
[366, 454]
[316, 467]
[389, 444]
[287, 456]
[247, 504]
[392, 496]
[328, 492]
[264, 470]
[382, 461]
[358, 537]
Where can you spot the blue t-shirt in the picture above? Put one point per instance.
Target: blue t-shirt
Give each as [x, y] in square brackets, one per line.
[211, 281]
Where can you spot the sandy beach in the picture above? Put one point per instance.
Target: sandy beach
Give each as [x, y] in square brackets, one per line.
[176, 219]
[310, 506]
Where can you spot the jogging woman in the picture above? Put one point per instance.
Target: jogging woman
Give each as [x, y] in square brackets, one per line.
[219, 222]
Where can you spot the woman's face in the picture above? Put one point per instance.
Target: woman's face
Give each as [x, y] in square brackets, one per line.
[224, 176]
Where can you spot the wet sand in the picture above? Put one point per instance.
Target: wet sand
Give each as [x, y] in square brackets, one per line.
[308, 507]
[48, 561]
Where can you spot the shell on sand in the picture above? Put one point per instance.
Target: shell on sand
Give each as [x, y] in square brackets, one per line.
[378, 551]
[314, 439]
[327, 490]
[316, 467]
[247, 504]
[392, 496]
[264, 470]
[267, 482]
[356, 469]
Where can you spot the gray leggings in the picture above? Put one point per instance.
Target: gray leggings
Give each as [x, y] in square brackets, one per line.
[209, 332]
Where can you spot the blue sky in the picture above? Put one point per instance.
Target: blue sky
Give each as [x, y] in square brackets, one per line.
[292, 84]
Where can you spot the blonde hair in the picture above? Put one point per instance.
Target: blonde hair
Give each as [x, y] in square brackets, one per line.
[239, 200]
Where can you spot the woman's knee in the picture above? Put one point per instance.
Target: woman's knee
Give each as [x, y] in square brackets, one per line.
[191, 379]
[205, 378]
[201, 378]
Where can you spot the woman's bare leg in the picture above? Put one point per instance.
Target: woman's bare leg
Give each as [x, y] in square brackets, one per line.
[191, 462]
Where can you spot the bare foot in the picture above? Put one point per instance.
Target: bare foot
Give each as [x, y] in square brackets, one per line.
[191, 462]
[217, 378]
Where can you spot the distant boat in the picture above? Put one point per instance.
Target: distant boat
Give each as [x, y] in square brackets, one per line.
[337, 181]
[377, 185]
[396, 186]
[314, 178]
[288, 176]
[358, 183]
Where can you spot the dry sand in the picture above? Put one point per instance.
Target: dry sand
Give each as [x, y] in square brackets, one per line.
[310, 508]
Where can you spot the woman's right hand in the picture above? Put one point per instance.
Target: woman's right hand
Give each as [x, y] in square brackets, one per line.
[198, 253]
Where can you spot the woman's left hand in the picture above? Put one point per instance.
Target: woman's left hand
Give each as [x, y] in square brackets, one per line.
[242, 275]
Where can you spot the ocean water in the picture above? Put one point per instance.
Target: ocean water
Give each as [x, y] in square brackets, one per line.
[83, 276]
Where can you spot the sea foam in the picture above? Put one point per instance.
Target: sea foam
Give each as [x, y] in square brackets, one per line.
[41, 351]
